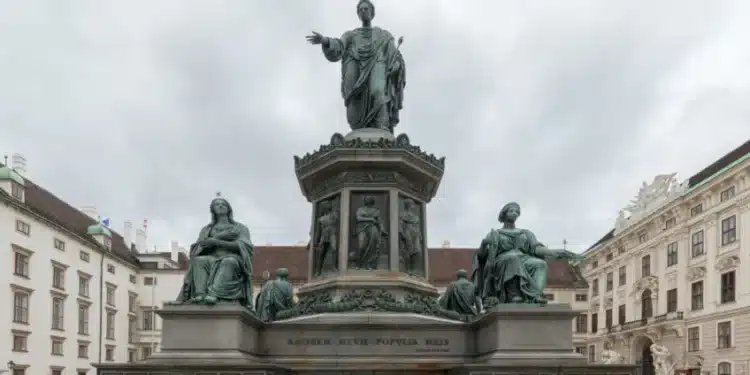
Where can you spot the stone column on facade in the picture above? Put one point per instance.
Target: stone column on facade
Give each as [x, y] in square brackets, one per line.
[683, 247]
[711, 237]
[743, 235]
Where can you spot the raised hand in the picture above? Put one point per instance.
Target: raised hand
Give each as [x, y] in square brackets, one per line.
[315, 38]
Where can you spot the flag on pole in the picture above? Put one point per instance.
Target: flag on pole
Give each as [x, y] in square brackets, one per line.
[145, 223]
[105, 222]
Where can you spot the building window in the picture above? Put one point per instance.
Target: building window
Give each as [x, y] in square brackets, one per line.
[581, 323]
[21, 267]
[57, 346]
[58, 311]
[620, 250]
[696, 210]
[621, 314]
[59, 244]
[57, 371]
[132, 298]
[696, 244]
[672, 254]
[646, 266]
[110, 325]
[694, 339]
[610, 256]
[724, 368]
[131, 355]
[21, 307]
[23, 227]
[670, 223]
[16, 190]
[83, 349]
[111, 295]
[581, 297]
[729, 230]
[58, 277]
[696, 296]
[595, 287]
[84, 289]
[84, 256]
[132, 329]
[148, 320]
[610, 282]
[727, 287]
[594, 264]
[647, 310]
[622, 275]
[642, 237]
[146, 352]
[592, 353]
[724, 337]
[672, 300]
[149, 281]
[132, 279]
[109, 353]
[83, 319]
[727, 194]
[20, 341]
[111, 268]
[608, 318]
[594, 323]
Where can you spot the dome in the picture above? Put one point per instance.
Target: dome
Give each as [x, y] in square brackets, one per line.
[7, 173]
[96, 229]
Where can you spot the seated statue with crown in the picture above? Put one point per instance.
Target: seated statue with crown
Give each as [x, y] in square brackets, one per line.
[221, 266]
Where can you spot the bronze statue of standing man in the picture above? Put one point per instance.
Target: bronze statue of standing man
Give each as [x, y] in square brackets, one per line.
[373, 72]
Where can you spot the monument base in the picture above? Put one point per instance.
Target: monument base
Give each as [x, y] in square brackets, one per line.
[229, 340]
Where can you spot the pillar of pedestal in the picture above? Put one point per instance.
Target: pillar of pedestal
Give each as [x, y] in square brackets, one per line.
[369, 192]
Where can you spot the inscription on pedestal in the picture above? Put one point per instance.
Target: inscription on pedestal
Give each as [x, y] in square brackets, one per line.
[369, 222]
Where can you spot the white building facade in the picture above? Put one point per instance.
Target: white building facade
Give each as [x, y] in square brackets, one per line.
[675, 273]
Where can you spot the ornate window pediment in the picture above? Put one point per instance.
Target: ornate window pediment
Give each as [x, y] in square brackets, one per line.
[727, 263]
[695, 273]
[648, 282]
[608, 302]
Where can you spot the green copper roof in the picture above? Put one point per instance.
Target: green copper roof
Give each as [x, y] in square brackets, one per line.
[98, 229]
[721, 171]
[7, 173]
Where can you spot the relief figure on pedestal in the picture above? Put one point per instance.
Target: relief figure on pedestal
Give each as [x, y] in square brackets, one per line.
[460, 297]
[510, 265]
[410, 236]
[370, 234]
[220, 261]
[275, 296]
[373, 72]
[326, 248]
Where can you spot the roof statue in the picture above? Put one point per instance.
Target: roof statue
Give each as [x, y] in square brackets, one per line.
[662, 190]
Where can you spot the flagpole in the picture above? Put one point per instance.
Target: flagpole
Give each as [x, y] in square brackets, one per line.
[153, 293]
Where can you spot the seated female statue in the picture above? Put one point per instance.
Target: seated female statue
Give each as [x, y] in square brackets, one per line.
[220, 261]
[510, 265]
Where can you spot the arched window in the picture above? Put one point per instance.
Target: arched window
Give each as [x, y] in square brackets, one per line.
[724, 368]
[647, 310]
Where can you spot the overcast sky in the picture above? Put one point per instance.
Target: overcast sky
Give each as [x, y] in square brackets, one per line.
[147, 108]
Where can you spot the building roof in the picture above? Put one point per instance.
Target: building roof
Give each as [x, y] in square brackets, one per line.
[444, 262]
[697, 179]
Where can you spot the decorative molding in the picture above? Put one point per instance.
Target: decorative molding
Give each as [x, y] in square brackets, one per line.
[663, 189]
[608, 302]
[695, 273]
[672, 276]
[727, 262]
[621, 294]
[648, 282]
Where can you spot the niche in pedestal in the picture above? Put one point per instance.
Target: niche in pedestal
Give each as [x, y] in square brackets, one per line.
[369, 223]
[411, 229]
[326, 242]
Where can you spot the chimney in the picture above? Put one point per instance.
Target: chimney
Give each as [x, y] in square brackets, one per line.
[446, 244]
[91, 211]
[140, 240]
[174, 248]
[127, 233]
[18, 163]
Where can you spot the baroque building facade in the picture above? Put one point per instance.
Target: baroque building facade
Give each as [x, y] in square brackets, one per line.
[674, 271]
[79, 292]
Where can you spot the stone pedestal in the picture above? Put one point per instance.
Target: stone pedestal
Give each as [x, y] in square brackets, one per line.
[343, 175]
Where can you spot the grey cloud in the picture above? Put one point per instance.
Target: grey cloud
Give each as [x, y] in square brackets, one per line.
[147, 109]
